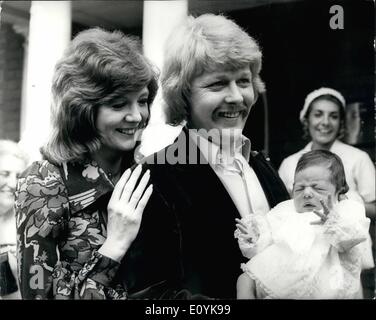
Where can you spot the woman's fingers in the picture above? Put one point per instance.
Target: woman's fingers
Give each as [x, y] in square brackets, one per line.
[118, 189]
[136, 195]
[130, 184]
[144, 200]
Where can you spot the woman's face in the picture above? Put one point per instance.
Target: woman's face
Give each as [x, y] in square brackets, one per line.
[221, 99]
[312, 184]
[324, 122]
[120, 124]
[10, 168]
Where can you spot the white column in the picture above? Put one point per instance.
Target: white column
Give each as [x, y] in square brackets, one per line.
[49, 35]
[1, 2]
[160, 18]
[23, 29]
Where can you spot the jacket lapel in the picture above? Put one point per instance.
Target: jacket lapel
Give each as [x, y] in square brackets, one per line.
[207, 191]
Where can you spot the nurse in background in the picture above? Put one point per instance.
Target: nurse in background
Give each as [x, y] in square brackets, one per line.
[323, 119]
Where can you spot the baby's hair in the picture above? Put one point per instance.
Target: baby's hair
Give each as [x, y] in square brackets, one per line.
[329, 160]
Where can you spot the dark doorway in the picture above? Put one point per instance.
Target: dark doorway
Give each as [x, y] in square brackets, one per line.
[302, 53]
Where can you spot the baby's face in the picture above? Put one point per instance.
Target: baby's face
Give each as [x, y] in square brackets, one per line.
[311, 185]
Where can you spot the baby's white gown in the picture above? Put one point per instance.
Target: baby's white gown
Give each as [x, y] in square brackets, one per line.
[293, 259]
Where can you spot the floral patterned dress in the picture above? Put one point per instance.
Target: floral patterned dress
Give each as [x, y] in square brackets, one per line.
[61, 216]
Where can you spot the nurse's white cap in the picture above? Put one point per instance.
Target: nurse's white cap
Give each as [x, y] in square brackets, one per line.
[317, 93]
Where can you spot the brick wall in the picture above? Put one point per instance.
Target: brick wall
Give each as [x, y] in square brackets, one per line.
[11, 65]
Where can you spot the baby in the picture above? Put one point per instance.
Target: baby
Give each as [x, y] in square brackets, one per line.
[310, 247]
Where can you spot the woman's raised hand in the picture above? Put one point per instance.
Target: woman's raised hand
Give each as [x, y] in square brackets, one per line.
[125, 210]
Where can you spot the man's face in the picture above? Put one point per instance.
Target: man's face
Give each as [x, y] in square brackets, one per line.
[10, 168]
[312, 184]
[221, 99]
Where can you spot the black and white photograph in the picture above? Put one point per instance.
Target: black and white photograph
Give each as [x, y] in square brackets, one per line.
[204, 151]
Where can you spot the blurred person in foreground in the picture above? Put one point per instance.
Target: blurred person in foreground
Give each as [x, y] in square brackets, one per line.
[12, 162]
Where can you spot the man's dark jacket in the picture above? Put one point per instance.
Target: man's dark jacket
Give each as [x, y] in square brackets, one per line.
[186, 240]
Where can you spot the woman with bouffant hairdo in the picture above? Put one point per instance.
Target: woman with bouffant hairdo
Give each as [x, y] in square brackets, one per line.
[77, 210]
[99, 68]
